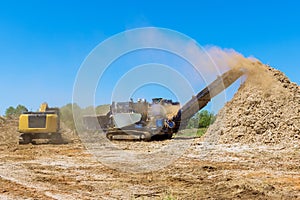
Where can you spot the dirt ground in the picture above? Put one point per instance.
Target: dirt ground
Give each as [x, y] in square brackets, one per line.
[204, 171]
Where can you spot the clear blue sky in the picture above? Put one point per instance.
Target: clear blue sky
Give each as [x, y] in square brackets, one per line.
[43, 43]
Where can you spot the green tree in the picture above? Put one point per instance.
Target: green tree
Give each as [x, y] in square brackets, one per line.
[15, 112]
[10, 111]
[201, 119]
[205, 118]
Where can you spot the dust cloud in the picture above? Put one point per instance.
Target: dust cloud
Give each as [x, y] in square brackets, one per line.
[256, 72]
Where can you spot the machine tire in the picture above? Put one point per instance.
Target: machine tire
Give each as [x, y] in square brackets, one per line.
[56, 138]
[109, 136]
[147, 136]
[169, 135]
[27, 138]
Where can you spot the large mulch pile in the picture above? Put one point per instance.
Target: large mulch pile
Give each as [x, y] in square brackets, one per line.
[265, 110]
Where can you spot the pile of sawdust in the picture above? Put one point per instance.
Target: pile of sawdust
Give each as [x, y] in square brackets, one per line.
[266, 110]
[9, 136]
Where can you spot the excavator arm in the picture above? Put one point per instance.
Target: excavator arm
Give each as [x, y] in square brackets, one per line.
[199, 101]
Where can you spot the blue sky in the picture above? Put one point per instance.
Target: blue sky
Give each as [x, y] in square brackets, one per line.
[43, 43]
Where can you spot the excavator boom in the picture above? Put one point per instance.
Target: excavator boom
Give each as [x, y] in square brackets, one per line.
[199, 101]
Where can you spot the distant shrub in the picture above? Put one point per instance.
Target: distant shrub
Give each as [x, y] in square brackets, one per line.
[15, 112]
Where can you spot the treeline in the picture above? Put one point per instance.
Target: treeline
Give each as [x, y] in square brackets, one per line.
[67, 111]
[201, 120]
[15, 111]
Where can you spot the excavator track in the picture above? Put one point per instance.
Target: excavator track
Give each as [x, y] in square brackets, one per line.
[128, 135]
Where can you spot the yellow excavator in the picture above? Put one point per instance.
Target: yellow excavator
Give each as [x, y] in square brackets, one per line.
[44, 124]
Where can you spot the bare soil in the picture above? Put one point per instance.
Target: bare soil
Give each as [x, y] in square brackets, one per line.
[204, 171]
